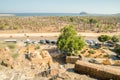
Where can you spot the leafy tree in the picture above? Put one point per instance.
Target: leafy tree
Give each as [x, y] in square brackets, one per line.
[91, 22]
[104, 38]
[71, 19]
[2, 27]
[68, 42]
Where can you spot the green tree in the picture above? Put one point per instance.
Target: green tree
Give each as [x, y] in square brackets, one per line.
[2, 27]
[104, 38]
[71, 19]
[91, 22]
[68, 42]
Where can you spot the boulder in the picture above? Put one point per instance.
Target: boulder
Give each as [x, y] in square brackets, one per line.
[106, 62]
[5, 58]
[46, 57]
[40, 59]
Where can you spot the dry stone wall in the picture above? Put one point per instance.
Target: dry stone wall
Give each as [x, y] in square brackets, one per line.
[98, 71]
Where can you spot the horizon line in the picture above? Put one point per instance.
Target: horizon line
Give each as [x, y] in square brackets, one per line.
[58, 12]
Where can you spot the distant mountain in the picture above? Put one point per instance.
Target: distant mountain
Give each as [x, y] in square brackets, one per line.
[83, 13]
[93, 14]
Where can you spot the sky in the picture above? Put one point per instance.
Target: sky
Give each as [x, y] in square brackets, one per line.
[60, 6]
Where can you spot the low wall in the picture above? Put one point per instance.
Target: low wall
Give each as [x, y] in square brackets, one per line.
[72, 59]
[98, 71]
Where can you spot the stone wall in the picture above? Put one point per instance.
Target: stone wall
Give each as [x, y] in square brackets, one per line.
[98, 71]
[72, 59]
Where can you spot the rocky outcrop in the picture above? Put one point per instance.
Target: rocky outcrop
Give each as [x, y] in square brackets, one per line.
[5, 58]
[41, 58]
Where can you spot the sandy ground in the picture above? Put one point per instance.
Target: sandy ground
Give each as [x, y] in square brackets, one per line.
[7, 15]
[52, 34]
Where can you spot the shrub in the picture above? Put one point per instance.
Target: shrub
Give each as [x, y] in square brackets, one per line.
[37, 47]
[104, 38]
[91, 51]
[117, 50]
[68, 42]
[115, 38]
[83, 51]
[15, 55]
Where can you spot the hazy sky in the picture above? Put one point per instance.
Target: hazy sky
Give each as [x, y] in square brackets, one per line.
[63, 6]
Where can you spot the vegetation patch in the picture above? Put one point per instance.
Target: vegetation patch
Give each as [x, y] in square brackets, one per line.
[117, 50]
[11, 45]
[15, 55]
[91, 51]
[37, 47]
[83, 51]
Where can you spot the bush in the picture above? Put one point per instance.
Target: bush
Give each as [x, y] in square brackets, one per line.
[37, 47]
[15, 55]
[68, 42]
[91, 51]
[115, 38]
[83, 51]
[117, 50]
[104, 38]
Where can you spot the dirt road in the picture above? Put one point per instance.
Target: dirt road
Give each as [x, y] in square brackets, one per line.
[50, 34]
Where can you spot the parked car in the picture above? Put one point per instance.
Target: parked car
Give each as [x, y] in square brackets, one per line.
[27, 41]
[48, 41]
[94, 42]
[98, 45]
[11, 40]
[42, 42]
[109, 43]
[53, 42]
[89, 42]
[34, 42]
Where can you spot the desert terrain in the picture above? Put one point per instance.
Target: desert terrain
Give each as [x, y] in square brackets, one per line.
[38, 61]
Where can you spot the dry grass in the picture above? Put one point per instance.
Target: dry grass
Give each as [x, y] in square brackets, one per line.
[94, 53]
[55, 24]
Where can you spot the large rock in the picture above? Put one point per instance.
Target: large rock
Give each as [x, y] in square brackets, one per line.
[5, 58]
[46, 57]
[106, 62]
[40, 59]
